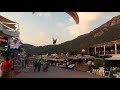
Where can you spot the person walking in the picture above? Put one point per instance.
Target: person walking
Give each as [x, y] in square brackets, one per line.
[6, 68]
[26, 61]
[39, 65]
[22, 63]
[47, 66]
[35, 65]
[44, 66]
[89, 63]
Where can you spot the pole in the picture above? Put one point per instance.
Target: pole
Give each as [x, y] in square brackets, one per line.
[104, 49]
[115, 48]
[95, 50]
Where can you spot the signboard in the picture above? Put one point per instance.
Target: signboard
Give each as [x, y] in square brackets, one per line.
[3, 43]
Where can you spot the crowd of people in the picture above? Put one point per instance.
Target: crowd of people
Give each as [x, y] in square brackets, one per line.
[7, 65]
[38, 64]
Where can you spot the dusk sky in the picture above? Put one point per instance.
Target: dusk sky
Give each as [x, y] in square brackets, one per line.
[39, 28]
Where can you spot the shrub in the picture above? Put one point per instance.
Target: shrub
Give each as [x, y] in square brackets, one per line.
[98, 62]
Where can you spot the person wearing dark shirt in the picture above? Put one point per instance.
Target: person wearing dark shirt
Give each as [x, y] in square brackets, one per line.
[35, 65]
[39, 65]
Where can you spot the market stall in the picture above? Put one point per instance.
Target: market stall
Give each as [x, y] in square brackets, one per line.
[80, 63]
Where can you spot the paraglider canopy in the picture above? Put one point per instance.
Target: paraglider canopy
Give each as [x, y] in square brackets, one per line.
[74, 15]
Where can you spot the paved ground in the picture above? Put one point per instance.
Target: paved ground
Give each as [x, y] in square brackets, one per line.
[55, 72]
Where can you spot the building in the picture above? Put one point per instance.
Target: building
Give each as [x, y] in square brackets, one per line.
[112, 47]
[8, 29]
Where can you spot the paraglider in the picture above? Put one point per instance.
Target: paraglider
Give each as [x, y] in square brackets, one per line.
[74, 15]
[54, 41]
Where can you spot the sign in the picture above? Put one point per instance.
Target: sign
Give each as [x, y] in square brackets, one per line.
[3, 40]
[3, 44]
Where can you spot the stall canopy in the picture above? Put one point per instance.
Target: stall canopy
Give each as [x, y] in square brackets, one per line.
[81, 57]
[114, 57]
[56, 59]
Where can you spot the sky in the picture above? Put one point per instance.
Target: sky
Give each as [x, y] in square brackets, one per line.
[39, 28]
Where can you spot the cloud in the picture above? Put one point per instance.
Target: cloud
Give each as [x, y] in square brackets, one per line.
[45, 14]
[42, 34]
[74, 30]
[85, 19]
[34, 39]
[109, 15]
[60, 24]
[40, 14]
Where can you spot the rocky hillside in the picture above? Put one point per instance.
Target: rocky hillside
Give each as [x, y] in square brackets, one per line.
[106, 32]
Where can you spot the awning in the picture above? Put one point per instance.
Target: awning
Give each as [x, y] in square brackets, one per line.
[7, 24]
[3, 19]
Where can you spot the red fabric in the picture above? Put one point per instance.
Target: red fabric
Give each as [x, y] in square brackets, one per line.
[12, 62]
[6, 66]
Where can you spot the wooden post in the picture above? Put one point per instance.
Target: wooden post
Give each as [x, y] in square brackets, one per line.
[115, 48]
[104, 49]
[95, 50]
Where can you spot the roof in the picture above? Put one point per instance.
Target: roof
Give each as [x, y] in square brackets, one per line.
[3, 19]
[7, 24]
[110, 43]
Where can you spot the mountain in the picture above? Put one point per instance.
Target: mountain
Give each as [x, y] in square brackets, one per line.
[107, 32]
